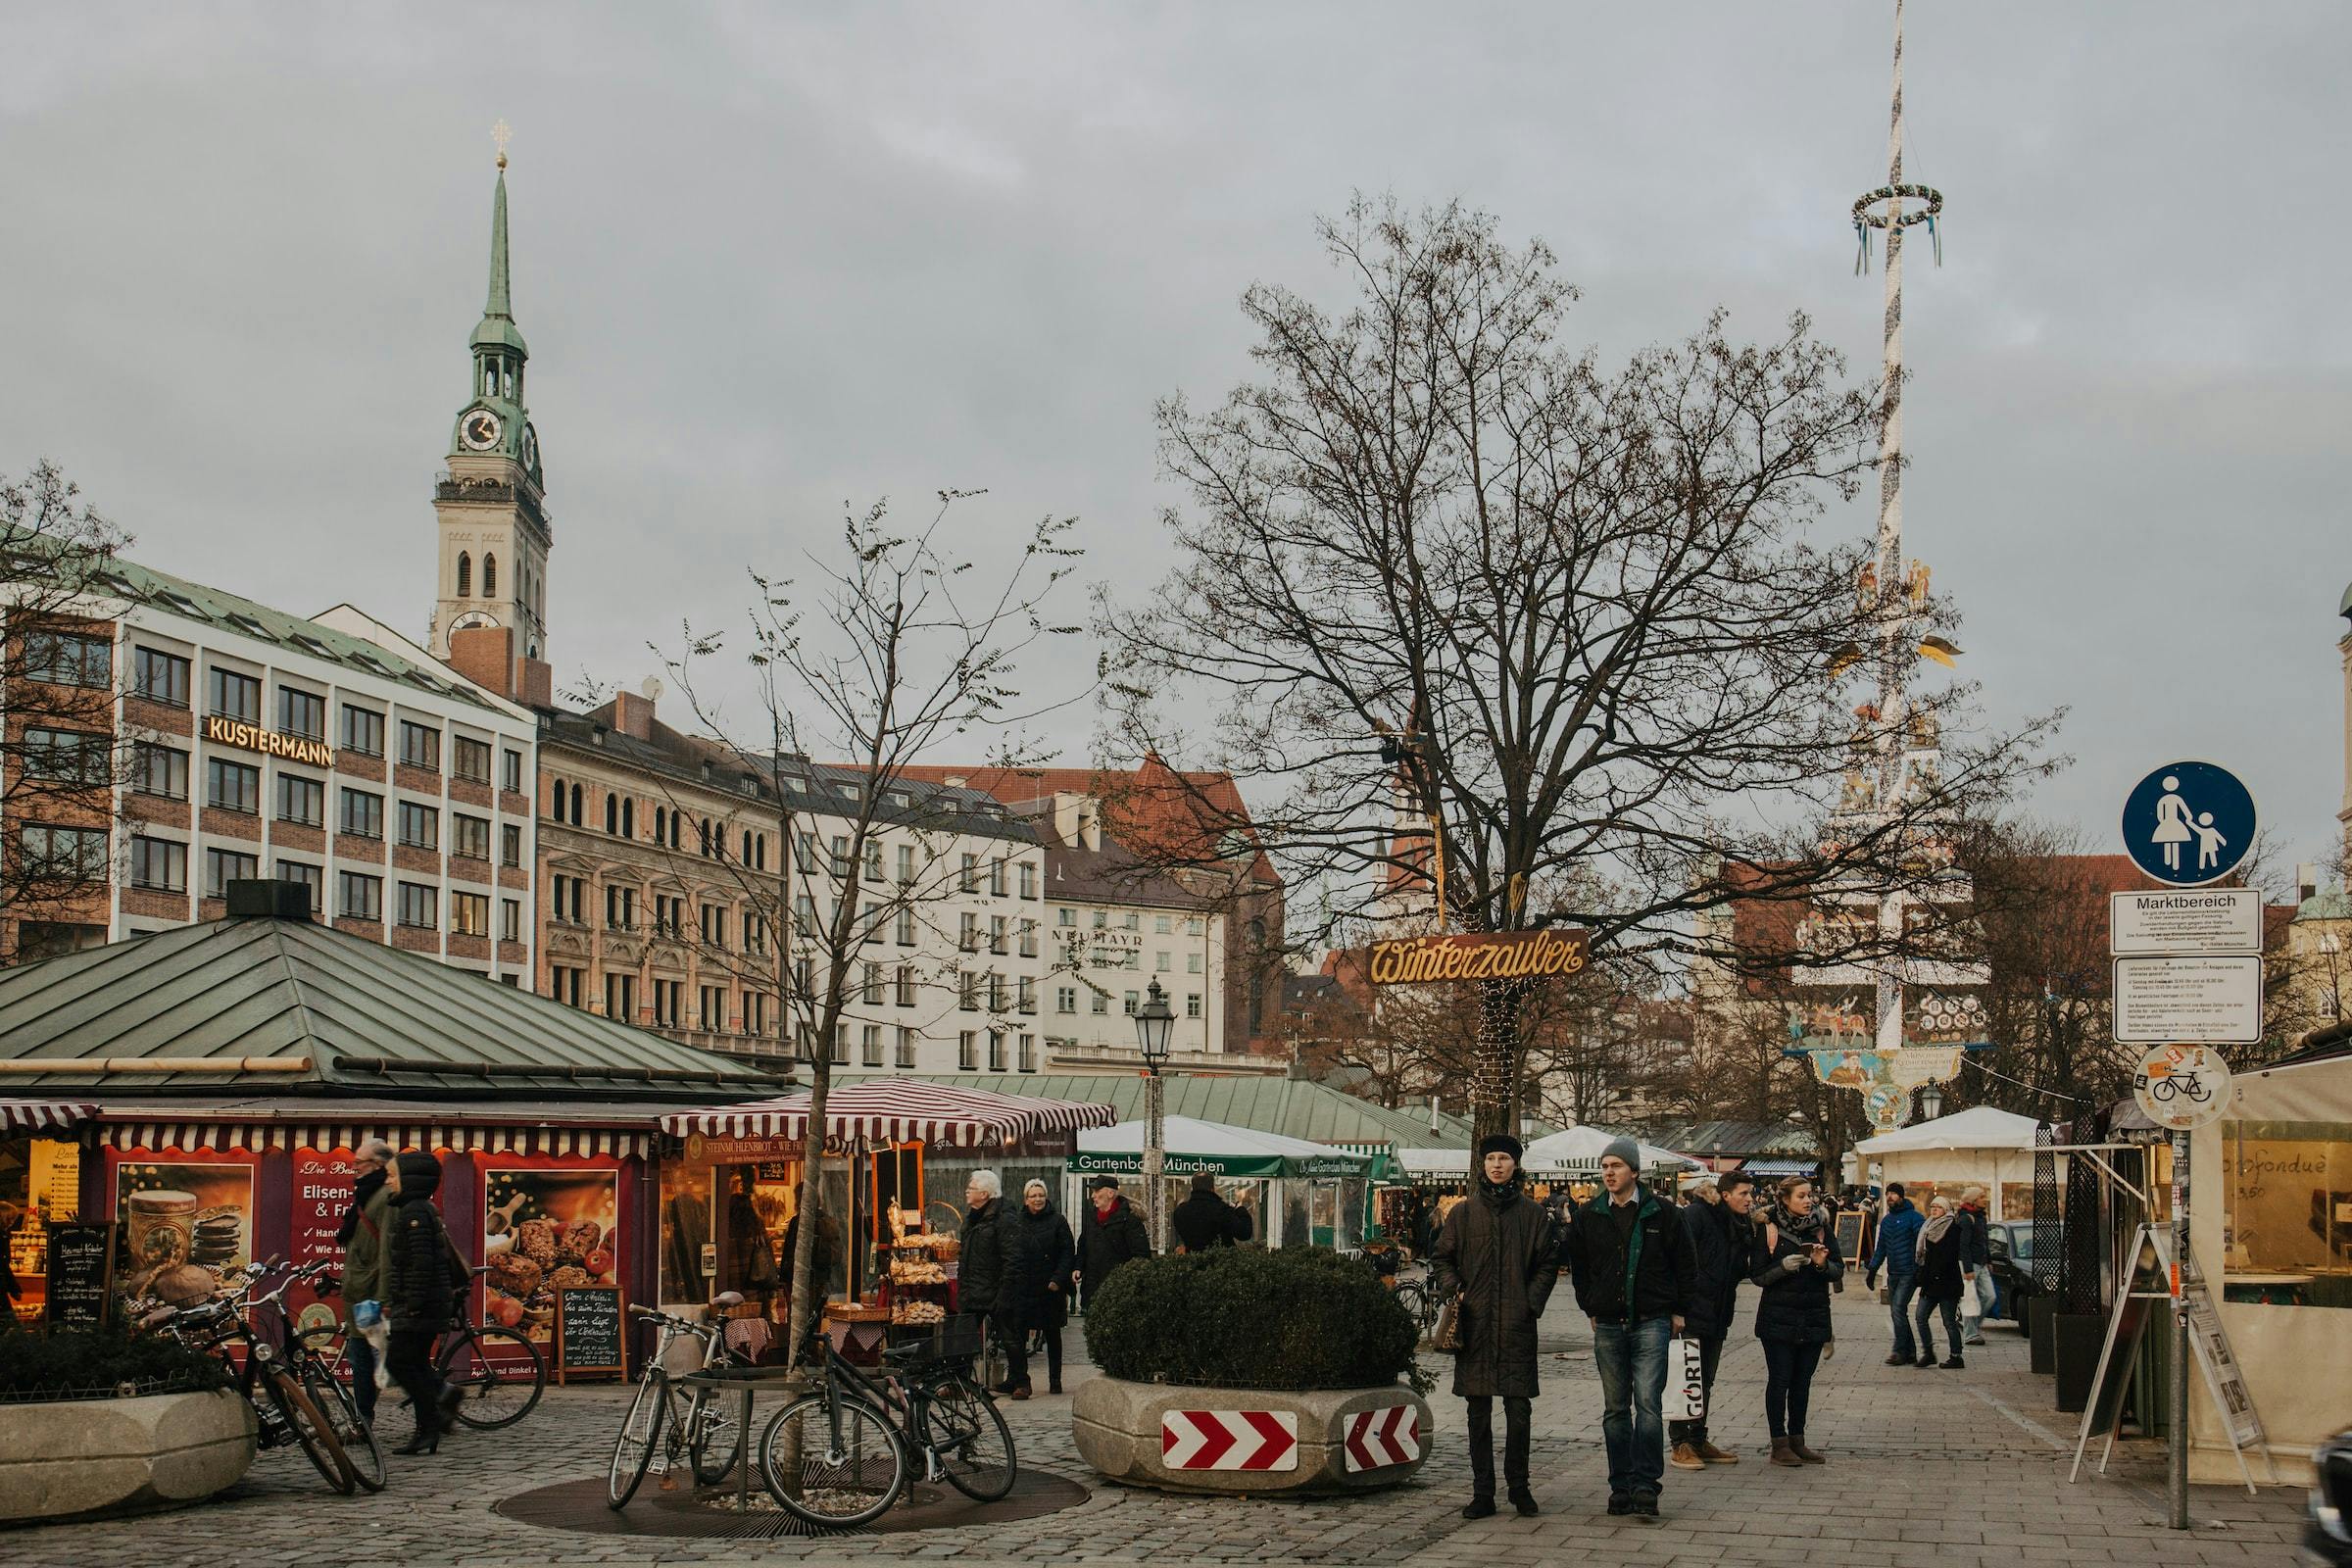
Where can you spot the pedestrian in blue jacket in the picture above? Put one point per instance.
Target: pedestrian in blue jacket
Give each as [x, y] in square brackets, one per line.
[1898, 1250]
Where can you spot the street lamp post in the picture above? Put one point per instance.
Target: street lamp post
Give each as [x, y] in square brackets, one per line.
[1154, 1023]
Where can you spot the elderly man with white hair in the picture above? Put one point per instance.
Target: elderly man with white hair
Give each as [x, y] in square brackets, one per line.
[980, 1270]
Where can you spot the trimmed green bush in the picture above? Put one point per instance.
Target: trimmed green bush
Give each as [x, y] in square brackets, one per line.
[72, 1364]
[1242, 1317]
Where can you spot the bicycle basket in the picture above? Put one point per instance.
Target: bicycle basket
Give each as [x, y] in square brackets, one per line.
[957, 1338]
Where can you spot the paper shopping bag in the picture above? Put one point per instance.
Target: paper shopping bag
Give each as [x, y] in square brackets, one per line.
[1685, 1382]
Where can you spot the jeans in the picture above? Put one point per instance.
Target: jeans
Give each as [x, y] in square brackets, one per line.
[1901, 1288]
[1788, 1385]
[359, 1350]
[1517, 1422]
[1632, 1391]
[1694, 1432]
[1925, 1313]
[1986, 1290]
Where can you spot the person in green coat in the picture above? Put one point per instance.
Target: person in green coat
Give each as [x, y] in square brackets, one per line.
[361, 1238]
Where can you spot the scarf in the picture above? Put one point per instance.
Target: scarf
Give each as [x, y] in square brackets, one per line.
[1498, 1195]
[1807, 1229]
[1933, 1231]
[361, 1191]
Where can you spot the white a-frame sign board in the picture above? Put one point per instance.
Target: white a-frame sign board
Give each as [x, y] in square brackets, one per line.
[2150, 1273]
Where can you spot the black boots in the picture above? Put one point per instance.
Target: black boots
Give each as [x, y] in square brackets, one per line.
[1525, 1502]
[1481, 1506]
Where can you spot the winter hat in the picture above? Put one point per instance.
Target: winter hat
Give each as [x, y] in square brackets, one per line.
[1501, 1144]
[1624, 1148]
[1102, 1182]
[420, 1174]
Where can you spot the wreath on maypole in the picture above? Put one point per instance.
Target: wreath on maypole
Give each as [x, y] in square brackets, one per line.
[1897, 215]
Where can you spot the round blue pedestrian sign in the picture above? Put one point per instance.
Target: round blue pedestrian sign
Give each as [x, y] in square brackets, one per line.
[2189, 823]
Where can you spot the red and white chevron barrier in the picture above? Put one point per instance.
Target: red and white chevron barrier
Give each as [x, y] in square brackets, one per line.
[1377, 1438]
[1229, 1440]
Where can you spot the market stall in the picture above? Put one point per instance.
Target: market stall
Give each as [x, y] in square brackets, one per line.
[1574, 1156]
[892, 1160]
[1980, 1146]
[40, 1187]
[1297, 1193]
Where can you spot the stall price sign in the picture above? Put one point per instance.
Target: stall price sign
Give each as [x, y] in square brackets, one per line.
[81, 1275]
[589, 1335]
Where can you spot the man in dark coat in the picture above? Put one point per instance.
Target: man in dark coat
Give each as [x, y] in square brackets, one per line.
[1498, 1254]
[1113, 1234]
[421, 1273]
[980, 1267]
[1634, 1277]
[1204, 1220]
[1723, 1241]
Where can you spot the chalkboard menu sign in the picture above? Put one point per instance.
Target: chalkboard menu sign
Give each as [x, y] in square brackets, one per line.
[589, 1333]
[81, 1275]
[1848, 1230]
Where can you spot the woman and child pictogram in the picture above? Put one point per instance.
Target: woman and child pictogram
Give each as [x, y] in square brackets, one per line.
[2176, 825]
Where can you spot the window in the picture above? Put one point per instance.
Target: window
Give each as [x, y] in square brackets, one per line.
[669, 999]
[620, 908]
[1102, 919]
[713, 1004]
[873, 863]
[905, 1054]
[906, 922]
[468, 836]
[906, 865]
[968, 880]
[1192, 964]
[1163, 963]
[995, 992]
[160, 770]
[968, 1052]
[509, 919]
[870, 923]
[872, 990]
[804, 911]
[68, 755]
[358, 896]
[995, 1051]
[235, 696]
[464, 576]
[510, 775]
[905, 985]
[159, 677]
[1131, 922]
[363, 731]
[419, 906]
[1160, 924]
[224, 866]
[68, 658]
[469, 913]
[64, 853]
[419, 826]
[1133, 997]
[841, 1044]
[570, 894]
[1028, 938]
[489, 576]
[840, 858]
[869, 1044]
[807, 850]
[620, 997]
[755, 1012]
[301, 800]
[469, 760]
[1192, 1004]
[1028, 1057]
[968, 933]
[996, 934]
[1028, 879]
[968, 992]
[613, 814]
[160, 865]
[1132, 958]
[1065, 999]
[510, 843]
[715, 924]
[301, 713]
[419, 746]
[670, 915]
[1065, 917]
[995, 877]
[564, 984]
[1101, 1001]
[1191, 927]
[232, 787]
[1028, 994]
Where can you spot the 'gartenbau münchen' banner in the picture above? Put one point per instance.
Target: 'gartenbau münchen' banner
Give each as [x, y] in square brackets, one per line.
[268, 742]
[1479, 955]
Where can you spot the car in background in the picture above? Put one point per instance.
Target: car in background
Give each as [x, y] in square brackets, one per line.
[2327, 1526]
[2009, 1244]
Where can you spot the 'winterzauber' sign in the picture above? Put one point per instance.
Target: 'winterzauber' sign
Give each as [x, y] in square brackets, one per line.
[1479, 955]
[268, 742]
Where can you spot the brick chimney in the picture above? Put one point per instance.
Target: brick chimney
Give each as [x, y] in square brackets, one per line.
[633, 712]
[485, 656]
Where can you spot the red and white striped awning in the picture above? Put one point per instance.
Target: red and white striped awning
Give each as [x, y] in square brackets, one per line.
[230, 1136]
[896, 1110]
[43, 1116]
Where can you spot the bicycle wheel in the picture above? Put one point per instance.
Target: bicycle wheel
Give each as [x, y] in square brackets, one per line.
[497, 1372]
[1409, 1297]
[835, 1463]
[311, 1430]
[967, 1431]
[335, 1402]
[714, 1442]
[643, 1430]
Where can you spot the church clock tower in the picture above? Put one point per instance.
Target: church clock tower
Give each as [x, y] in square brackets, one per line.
[491, 507]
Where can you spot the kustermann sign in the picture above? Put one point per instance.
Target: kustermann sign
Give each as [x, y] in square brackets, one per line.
[268, 742]
[1479, 955]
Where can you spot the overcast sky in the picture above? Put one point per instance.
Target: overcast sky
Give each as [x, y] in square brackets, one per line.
[774, 259]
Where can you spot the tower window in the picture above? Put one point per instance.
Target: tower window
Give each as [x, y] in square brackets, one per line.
[489, 576]
[465, 574]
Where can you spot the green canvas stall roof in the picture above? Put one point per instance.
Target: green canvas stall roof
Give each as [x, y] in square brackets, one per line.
[294, 1007]
[1294, 1108]
[1195, 1148]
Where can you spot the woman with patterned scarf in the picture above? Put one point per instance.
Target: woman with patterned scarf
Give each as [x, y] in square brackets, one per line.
[1796, 1264]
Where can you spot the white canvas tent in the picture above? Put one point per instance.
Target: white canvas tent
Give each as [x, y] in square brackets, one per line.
[1297, 1191]
[1577, 1151]
[1980, 1146]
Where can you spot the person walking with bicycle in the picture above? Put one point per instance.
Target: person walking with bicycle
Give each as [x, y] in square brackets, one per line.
[421, 1274]
[361, 1238]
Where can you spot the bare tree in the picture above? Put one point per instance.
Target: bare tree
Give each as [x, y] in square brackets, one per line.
[60, 752]
[884, 652]
[1584, 608]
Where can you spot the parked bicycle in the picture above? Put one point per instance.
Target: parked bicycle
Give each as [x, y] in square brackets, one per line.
[655, 1436]
[839, 1457]
[496, 1371]
[266, 1368]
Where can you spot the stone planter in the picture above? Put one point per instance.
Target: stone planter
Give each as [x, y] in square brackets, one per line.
[1199, 1440]
[79, 1457]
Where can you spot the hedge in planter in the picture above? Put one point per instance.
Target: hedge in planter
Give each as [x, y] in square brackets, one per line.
[76, 1364]
[1241, 1317]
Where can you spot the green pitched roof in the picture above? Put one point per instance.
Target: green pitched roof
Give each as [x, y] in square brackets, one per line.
[1294, 1108]
[360, 1015]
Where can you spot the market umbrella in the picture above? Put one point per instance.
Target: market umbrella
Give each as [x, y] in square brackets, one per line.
[1194, 1147]
[895, 1111]
[1579, 1149]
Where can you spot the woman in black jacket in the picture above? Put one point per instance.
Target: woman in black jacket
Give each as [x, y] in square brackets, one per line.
[1941, 1249]
[1796, 1262]
[1038, 1256]
[421, 1296]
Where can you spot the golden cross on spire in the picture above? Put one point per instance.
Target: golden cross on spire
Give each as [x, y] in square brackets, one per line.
[502, 133]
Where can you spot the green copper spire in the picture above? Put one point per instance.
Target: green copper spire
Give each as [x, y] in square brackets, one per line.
[498, 329]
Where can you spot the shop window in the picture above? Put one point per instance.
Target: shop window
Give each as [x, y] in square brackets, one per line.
[2287, 1221]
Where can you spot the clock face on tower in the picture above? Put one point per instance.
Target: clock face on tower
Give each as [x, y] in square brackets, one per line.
[471, 619]
[479, 430]
[530, 447]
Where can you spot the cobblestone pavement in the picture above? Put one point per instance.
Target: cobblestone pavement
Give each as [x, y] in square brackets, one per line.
[1959, 1469]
